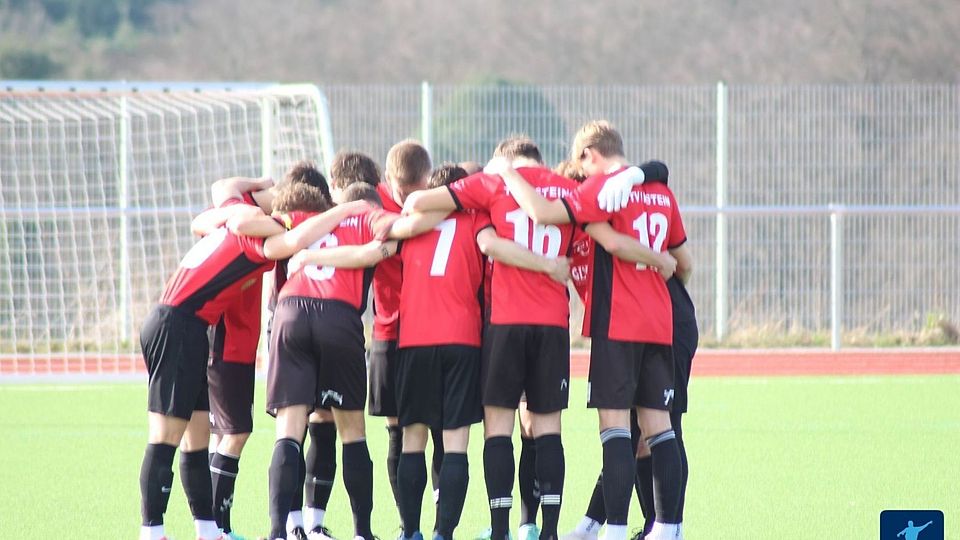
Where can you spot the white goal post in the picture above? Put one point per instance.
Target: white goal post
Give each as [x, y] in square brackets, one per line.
[98, 183]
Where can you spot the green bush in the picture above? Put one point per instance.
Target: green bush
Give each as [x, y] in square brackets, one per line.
[27, 64]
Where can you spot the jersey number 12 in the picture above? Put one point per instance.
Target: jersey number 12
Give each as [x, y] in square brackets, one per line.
[655, 228]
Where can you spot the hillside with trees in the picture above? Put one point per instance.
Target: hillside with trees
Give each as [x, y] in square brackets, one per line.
[562, 41]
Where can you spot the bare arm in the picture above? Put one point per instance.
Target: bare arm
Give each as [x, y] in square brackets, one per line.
[684, 262]
[539, 209]
[234, 187]
[281, 246]
[630, 249]
[362, 256]
[214, 218]
[256, 225]
[415, 224]
[512, 253]
[430, 200]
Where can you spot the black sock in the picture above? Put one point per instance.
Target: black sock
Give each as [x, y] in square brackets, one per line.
[436, 464]
[195, 478]
[296, 501]
[394, 449]
[666, 475]
[411, 481]
[223, 471]
[284, 469]
[498, 474]
[644, 489]
[156, 482]
[527, 478]
[321, 464]
[618, 473]
[358, 479]
[550, 473]
[595, 508]
[454, 478]
[675, 420]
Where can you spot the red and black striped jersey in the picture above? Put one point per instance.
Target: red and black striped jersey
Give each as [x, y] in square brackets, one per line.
[386, 283]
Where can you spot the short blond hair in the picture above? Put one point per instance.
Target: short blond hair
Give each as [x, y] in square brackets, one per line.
[571, 170]
[408, 162]
[599, 135]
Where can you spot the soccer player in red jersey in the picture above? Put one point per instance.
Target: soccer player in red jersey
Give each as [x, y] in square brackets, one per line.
[210, 278]
[630, 322]
[527, 345]
[235, 338]
[317, 357]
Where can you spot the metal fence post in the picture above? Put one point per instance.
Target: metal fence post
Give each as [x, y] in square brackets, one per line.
[720, 304]
[836, 276]
[124, 203]
[426, 116]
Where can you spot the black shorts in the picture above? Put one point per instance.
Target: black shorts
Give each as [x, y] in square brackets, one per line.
[439, 386]
[231, 396]
[316, 355]
[383, 378]
[175, 349]
[624, 375]
[531, 358]
[685, 340]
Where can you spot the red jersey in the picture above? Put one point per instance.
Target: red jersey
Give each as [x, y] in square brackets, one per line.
[630, 300]
[348, 285]
[522, 296]
[386, 283]
[581, 271]
[211, 274]
[442, 277]
[239, 337]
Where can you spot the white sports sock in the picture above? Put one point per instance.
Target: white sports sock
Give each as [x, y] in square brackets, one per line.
[436, 496]
[616, 532]
[312, 517]
[151, 533]
[207, 529]
[664, 531]
[294, 520]
[588, 526]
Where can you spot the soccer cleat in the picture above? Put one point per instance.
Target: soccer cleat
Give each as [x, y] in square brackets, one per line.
[320, 533]
[438, 536]
[232, 536]
[416, 536]
[577, 535]
[488, 533]
[297, 533]
[528, 531]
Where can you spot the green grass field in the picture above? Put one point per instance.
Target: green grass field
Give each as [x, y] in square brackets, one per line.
[770, 458]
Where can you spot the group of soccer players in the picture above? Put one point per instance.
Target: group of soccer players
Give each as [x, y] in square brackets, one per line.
[469, 272]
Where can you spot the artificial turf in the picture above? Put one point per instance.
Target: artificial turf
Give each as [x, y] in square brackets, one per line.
[803, 457]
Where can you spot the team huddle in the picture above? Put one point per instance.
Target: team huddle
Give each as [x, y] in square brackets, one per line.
[469, 271]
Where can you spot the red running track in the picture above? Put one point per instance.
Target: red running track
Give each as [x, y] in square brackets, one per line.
[707, 363]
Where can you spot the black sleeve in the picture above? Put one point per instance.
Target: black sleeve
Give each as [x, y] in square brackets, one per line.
[456, 200]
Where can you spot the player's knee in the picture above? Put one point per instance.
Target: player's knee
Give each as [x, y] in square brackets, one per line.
[497, 422]
[232, 444]
[320, 416]
[350, 425]
[415, 438]
[653, 421]
[456, 440]
[545, 424]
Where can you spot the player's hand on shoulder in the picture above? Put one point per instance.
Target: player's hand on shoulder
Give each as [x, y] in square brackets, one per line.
[496, 165]
[667, 265]
[356, 208]
[410, 201]
[560, 269]
[615, 193]
[297, 262]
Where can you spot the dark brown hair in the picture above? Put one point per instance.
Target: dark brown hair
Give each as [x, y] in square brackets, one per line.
[351, 167]
[306, 172]
[445, 175]
[362, 191]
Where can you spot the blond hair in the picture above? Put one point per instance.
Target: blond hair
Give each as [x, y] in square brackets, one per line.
[599, 135]
[408, 162]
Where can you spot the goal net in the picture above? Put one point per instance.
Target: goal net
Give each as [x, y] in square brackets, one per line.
[97, 189]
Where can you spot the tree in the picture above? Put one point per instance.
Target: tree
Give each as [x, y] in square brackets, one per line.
[468, 123]
[27, 64]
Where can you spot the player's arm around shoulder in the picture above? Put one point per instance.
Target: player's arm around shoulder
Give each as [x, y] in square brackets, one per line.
[630, 249]
[511, 253]
[285, 244]
[410, 225]
[537, 207]
[362, 256]
[234, 187]
[213, 218]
